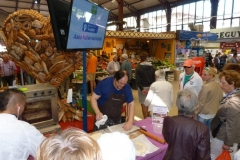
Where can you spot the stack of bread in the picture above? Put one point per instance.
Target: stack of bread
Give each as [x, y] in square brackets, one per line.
[30, 42]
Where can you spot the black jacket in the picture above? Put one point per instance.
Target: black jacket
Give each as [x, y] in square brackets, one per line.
[145, 76]
[187, 138]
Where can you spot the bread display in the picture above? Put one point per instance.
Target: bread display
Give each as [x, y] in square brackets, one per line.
[29, 40]
[36, 115]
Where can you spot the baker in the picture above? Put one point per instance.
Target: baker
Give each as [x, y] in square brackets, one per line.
[108, 98]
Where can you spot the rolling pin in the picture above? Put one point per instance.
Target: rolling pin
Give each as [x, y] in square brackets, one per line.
[160, 140]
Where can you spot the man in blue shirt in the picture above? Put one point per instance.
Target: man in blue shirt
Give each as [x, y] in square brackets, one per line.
[109, 96]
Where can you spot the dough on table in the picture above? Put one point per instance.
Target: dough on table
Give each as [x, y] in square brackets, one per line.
[96, 136]
[141, 148]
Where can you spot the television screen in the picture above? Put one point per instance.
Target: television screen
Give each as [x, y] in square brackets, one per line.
[87, 25]
[59, 13]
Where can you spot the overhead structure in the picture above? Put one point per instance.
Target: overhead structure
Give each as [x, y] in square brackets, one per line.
[168, 11]
[130, 7]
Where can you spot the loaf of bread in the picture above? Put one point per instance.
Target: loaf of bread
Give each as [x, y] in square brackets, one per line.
[36, 115]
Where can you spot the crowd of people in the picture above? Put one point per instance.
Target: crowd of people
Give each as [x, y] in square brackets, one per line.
[220, 59]
[201, 101]
[21, 140]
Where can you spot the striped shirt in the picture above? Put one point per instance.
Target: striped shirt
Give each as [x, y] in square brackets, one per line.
[8, 68]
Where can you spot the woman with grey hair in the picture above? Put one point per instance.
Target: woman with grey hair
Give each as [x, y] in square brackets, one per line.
[187, 138]
[186, 103]
[160, 91]
[113, 66]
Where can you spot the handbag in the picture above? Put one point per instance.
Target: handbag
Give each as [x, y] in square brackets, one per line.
[225, 155]
[215, 125]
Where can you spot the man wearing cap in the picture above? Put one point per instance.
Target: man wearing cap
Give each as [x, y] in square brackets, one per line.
[91, 69]
[113, 66]
[190, 79]
[127, 66]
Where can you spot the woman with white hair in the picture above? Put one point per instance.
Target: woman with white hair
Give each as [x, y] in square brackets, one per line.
[160, 90]
[113, 66]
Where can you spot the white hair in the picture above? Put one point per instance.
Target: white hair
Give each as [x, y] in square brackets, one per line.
[186, 102]
[116, 146]
[160, 74]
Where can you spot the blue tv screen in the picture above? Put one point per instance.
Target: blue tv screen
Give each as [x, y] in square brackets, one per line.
[87, 25]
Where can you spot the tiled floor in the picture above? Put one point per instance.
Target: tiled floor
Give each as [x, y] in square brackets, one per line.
[138, 109]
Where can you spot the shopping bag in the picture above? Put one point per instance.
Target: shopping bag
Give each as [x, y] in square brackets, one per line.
[225, 155]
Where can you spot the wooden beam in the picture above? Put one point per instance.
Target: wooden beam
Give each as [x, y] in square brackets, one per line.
[16, 7]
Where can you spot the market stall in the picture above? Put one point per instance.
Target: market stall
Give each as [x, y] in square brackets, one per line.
[191, 44]
[159, 45]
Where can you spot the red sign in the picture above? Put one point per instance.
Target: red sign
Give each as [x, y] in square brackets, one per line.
[229, 45]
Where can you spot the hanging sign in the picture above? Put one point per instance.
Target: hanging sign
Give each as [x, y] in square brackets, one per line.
[187, 35]
[229, 45]
[225, 33]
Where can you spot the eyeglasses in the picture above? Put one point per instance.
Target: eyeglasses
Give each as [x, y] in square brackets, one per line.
[121, 83]
[206, 68]
[223, 83]
[187, 67]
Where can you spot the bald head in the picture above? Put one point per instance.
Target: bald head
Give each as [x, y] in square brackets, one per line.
[5, 57]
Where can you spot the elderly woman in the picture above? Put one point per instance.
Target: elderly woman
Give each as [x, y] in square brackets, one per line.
[187, 138]
[160, 90]
[209, 97]
[113, 66]
[229, 113]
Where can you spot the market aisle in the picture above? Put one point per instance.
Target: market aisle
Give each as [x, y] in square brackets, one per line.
[138, 109]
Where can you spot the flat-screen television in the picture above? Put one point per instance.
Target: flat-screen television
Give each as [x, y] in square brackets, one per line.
[59, 14]
[87, 25]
